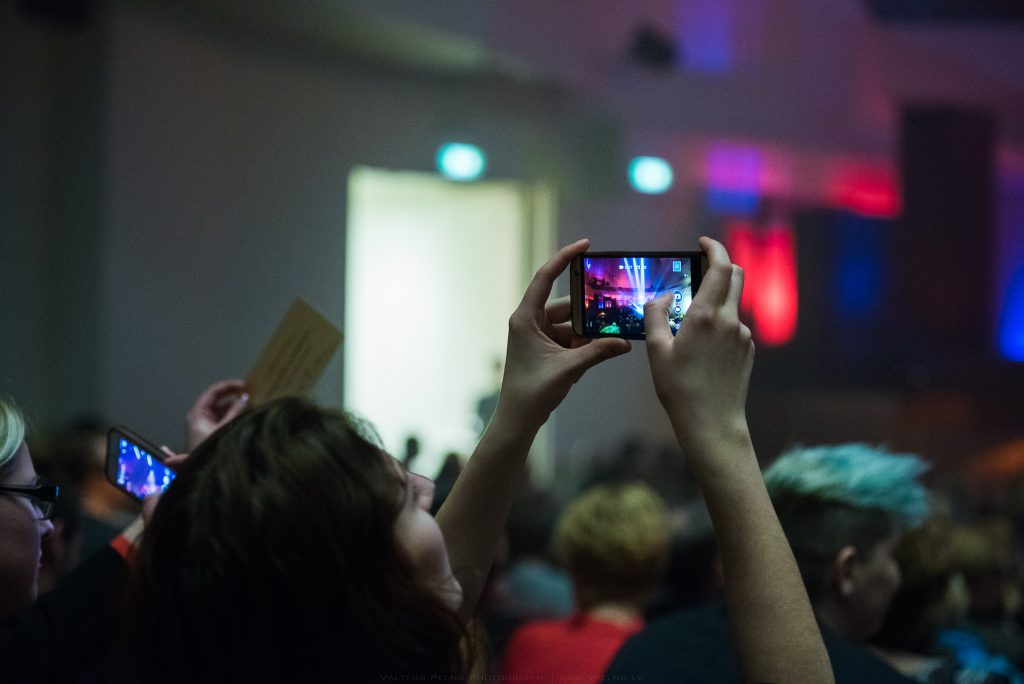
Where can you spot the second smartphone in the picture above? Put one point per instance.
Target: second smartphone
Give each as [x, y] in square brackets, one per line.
[608, 290]
[135, 466]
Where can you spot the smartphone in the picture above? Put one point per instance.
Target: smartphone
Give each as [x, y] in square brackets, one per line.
[608, 290]
[135, 466]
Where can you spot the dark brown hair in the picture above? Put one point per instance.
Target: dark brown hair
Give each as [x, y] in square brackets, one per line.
[272, 557]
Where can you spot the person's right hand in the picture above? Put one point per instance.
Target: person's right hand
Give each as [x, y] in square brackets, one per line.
[545, 357]
[701, 375]
[217, 405]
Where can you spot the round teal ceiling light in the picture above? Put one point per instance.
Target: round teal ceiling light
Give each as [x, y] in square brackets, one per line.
[650, 175]
[461, 161]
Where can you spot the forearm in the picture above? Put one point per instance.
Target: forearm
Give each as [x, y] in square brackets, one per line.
[474, 514]
[777, 637]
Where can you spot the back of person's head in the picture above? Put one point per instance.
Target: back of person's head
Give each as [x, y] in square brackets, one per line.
[273, 557]
[829, 497]
[922, 603]
[12, 431]
[615, 541]
[983, 553]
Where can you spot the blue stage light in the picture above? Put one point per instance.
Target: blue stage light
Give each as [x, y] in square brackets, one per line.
[1011, 322]
[461, 162]
[858, 285]
[650, 175]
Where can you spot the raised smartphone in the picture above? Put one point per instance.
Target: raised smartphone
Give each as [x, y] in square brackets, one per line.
[608, 290]
[135, 466]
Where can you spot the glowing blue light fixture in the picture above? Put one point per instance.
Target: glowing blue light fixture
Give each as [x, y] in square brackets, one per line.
[1011, 324]
[650, 175]
[461, 161]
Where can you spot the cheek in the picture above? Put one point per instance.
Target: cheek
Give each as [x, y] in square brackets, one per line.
[19, 557]
[895, 576]
[428, 550]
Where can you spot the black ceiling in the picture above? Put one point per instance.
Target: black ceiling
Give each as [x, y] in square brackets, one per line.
[949, 11]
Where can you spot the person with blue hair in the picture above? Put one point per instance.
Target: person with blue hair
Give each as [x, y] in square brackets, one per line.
[844, 509]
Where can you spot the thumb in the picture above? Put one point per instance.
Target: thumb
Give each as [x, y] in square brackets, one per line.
[589, 355]
[656, 320]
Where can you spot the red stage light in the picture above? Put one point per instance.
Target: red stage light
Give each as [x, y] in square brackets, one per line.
[768, 259]
[869, 193]
[775, 308]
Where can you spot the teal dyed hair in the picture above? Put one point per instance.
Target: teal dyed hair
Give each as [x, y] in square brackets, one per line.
[856, 475]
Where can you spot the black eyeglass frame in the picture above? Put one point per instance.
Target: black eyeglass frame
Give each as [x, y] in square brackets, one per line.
[43, 495]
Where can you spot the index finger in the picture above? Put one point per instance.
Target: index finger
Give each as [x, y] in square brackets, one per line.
[559, 310]
[714, 287]
[539, 289]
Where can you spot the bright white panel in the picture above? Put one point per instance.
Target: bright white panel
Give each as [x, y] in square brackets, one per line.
[433, 271]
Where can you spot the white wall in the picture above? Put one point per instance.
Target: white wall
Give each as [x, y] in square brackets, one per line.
[227, 171]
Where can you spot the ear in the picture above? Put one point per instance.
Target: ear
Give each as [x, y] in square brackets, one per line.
[843, 569]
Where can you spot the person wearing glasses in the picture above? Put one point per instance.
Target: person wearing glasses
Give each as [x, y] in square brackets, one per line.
[26, 505]
[67, 634]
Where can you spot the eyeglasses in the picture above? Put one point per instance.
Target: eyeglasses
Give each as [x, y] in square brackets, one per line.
[43, 496]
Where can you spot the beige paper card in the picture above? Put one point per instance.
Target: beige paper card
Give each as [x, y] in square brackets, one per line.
[296, 356]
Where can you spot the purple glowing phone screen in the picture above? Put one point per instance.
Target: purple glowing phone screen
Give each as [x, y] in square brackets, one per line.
[615, 289]
[140, 472]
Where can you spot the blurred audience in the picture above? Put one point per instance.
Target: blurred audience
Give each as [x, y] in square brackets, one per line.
[844, 509]
[614, 540]
[986, 636]
[291, 547]
[926, 602]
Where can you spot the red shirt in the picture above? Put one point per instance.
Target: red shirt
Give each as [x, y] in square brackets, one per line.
[576, 650]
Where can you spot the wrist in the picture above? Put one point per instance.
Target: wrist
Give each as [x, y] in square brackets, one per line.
[126, 542]
[518, 415]
[717, 448]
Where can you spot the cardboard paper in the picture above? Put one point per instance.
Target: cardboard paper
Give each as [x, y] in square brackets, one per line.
[296, 356]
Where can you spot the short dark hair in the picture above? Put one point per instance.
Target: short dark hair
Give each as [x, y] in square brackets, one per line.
[853, 494]
[817, 528]
[272, 557]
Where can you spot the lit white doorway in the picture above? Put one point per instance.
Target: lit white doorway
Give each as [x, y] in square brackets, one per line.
[433, 268]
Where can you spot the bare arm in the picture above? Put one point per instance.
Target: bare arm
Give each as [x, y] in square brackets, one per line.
[701, 377]
[543, 360]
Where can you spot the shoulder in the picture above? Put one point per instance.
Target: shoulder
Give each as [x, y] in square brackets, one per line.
[691, 646]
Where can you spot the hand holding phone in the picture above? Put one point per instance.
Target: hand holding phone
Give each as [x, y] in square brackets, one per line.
[609, 290]
[136, 466]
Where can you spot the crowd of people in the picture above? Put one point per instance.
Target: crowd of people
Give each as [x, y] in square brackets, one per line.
[291, 547]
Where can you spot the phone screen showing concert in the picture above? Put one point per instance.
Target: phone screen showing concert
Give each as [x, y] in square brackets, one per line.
[615, 290]
[140, 472]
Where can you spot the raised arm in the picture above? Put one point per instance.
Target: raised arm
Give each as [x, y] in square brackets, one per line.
[701, 377]
[543, 360]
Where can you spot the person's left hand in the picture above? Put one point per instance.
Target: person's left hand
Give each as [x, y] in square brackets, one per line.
[217, 405]
[545, 357]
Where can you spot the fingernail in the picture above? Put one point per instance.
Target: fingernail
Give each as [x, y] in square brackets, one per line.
[244, 398]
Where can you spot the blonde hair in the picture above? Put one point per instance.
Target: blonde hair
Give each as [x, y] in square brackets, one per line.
[615, 540]
[12, 431]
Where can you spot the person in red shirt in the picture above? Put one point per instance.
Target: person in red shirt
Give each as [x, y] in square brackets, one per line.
[615, 543]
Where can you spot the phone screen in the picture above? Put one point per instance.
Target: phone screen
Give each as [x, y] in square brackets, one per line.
[615, 289]
[139, 471]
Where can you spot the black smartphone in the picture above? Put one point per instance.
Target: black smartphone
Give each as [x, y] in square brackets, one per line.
[608, 290]
[135, 466]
